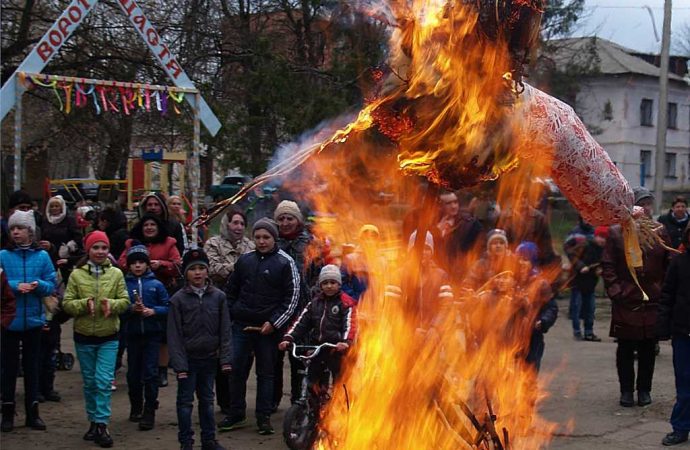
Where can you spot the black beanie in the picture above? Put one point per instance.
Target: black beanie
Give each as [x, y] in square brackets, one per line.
[192, 257]
[20, 197]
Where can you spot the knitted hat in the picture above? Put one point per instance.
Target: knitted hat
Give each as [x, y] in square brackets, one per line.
[93, 237]
[428, 241]
[602, 232]
[19, 197]
[194, 257]
[137, 252]
[642, 193]
[268, 225]
[369, 228]
[23, 219]
[529, 251]
[496, 233]
[288, 207]
[330, 272]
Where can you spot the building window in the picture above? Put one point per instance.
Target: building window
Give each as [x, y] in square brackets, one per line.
[608, 110]
[672, 116]
[645, 165]
[670, 165]
[646, 112]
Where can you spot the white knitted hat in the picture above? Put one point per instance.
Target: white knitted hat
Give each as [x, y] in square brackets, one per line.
[288, 207]
[23, 219]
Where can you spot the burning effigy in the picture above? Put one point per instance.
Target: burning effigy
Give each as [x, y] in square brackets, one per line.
[452, 107]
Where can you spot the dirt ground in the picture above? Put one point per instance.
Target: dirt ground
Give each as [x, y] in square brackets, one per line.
[580, 376]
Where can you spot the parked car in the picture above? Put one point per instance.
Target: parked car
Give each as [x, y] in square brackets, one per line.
[230, 186]
[76, 189]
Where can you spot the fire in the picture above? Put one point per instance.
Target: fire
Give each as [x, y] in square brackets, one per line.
[449, 110]
[446, 113]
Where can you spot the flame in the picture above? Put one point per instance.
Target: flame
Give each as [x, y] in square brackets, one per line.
[448, 111]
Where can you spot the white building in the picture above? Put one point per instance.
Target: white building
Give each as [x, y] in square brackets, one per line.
[619, 103]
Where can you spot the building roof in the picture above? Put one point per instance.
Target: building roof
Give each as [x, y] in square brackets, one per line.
[613, 59]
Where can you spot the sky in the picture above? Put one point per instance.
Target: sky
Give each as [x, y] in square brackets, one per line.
[628, 23]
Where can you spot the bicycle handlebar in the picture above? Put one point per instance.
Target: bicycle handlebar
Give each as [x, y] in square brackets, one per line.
[316, 348]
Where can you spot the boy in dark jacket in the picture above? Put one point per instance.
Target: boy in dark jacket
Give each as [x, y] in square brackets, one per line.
[331, 318]
[673, 321]
[263, 292]
[143, 330]
[199, 338]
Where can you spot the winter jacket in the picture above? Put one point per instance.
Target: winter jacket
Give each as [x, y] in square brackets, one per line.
[631, 316]
[297, 248]
[264, 287]
[588, 255]
[8, 304]
[61, 233]
[463, 238]
[434, 294]
[153, 295]
[25, 265]
[166, 252]
[674, 307]
[674, 227]
[223, 255]
[117, 234]
[531, 226]
[99, 282]
[198, 327]
[326, 319]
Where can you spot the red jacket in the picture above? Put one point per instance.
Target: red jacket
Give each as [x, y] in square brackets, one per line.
[165, 252]
[8, 306]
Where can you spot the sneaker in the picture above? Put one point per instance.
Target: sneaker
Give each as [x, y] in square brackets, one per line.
[232, 423]
[644, 398]
[113, 386]
[592, 338]
[264, 425]
[627, 400]
[211, 445]
[675, 438]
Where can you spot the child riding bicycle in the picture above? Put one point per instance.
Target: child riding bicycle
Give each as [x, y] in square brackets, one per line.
[329, 318]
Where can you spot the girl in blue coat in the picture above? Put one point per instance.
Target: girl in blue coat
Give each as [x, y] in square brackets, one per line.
[31, 277]
[144, 332]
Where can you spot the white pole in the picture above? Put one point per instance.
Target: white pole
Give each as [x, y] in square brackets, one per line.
[662, 122]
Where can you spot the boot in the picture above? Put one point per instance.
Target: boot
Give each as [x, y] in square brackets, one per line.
[33, 420]
[7, 424]
[103, 436]
[162, 376]
[148, 419]
[90, 435]
[136, 406]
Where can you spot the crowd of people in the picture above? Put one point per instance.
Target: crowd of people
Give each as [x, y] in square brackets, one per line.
[211, 312]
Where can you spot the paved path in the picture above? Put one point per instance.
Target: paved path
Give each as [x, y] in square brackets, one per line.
[583, 386]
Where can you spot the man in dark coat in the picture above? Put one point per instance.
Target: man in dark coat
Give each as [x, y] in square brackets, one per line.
[676, 220]
[673, 323]
[633, 318]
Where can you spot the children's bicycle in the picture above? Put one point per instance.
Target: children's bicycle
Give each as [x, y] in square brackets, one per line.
[301, 419]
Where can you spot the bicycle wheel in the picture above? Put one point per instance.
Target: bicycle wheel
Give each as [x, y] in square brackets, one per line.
[299, 428]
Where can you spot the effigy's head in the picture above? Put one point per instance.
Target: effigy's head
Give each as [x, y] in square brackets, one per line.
[516, 22]
[457, 76]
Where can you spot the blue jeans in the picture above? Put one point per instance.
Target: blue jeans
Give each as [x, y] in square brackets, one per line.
[142, 367]
[9, 364]
[582, 307]
[97, 362]
[680, 417]
[265, 348]
[200, 378]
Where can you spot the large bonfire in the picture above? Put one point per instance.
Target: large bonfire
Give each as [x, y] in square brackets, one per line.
[452, 108]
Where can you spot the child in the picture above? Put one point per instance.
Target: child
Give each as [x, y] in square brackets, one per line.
[198, 337]
[96, 295]
[143, 331]
[31, 276]
[330, 317]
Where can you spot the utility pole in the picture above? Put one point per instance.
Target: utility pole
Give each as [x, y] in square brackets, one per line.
[659, 172]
